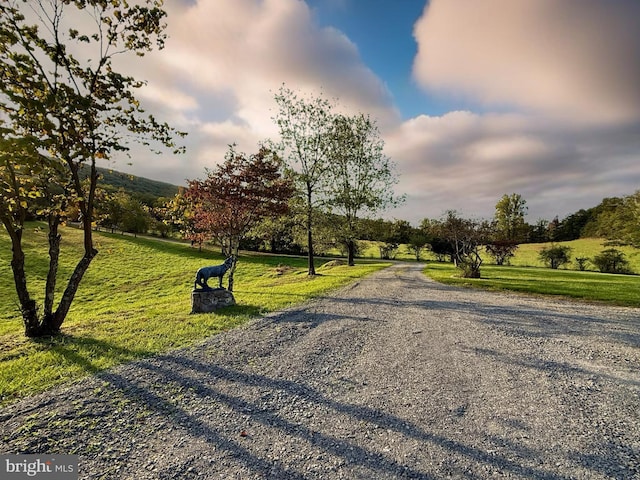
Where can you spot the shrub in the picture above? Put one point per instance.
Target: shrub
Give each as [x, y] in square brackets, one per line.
[581, 262]
[555, 256]
[469, 269]
[611, 260]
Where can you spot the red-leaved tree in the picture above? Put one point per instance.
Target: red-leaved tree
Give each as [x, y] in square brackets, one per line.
[238, 194]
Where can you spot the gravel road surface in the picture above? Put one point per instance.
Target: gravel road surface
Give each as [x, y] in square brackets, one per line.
[393, 377]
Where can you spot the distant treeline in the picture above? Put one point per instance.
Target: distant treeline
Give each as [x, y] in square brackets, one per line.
[616, 218]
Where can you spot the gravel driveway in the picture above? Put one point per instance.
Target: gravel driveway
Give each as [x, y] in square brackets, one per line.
[393, 377]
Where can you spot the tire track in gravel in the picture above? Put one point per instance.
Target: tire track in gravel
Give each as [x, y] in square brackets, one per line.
[392, 377]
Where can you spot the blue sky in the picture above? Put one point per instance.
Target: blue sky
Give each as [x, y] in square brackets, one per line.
[383, 32]
[473, 99]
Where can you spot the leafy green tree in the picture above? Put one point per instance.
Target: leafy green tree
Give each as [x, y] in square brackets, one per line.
[419, 241]
[160, 217]
[360, 177]
[278, 234]
[393, 234]
[509, 218]
[182, 217]
[135, 216]
[611, 260]
[440, 246]
[305, 126]
[619, 219]
[539, 233]
[555, 255]
[465, 237]
[572, 226]
[64, 106]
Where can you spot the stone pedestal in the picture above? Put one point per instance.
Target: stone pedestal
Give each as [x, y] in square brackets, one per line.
[205, 301]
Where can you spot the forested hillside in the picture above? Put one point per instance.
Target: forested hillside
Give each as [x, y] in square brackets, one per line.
[143, 188]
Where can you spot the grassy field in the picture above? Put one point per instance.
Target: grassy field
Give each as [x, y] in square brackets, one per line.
[135, 301]
[526, 254]
[591, 286]
[527, 274]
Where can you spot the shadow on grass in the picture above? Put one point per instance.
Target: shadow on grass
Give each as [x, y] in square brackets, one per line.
[84, 351]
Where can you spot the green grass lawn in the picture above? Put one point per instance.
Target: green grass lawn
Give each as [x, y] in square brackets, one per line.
[591, 286]
[527, 254]
[135, 301]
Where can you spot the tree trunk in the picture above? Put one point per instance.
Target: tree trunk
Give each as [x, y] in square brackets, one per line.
[52, 323]
[54, 256]
[28, 307]
[312, 268]
[351, 252]
[232, 270]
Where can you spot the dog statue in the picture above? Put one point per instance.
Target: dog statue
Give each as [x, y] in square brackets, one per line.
[205, 273]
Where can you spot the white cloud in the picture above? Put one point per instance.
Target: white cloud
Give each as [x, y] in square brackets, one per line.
[563, 78]
[576, 60]
[467, 161]
[224, 61]
[171, 98]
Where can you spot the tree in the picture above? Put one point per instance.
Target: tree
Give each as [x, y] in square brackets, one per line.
[440, 247]
[418, 241]
[572, 226]
[611, 260]
[509, 228]
[539, 233]
[392, 234]
[237, 195]
[465, 237]
[617, 219]
[277, 234]
[359, 178]
[66, 106]
[509, 218]
[608, 219]
[501, 250]
[555, 255]
[126, 214]
[305, 126]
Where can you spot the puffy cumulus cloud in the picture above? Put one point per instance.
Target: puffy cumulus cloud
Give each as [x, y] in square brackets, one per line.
[573, 59]
[467, 161]
[249, 48]
[569, 72]
[224, 61]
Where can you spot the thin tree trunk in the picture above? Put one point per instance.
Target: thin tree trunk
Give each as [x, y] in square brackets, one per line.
[54, 322]
[54, 256]
[234, 252]
[51, 323]
[28, 306]
[312, 268]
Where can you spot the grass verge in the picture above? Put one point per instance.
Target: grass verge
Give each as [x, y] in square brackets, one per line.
[135, 301]
[589, 286]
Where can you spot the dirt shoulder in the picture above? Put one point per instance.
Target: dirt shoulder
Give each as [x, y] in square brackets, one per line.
[393, 377]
